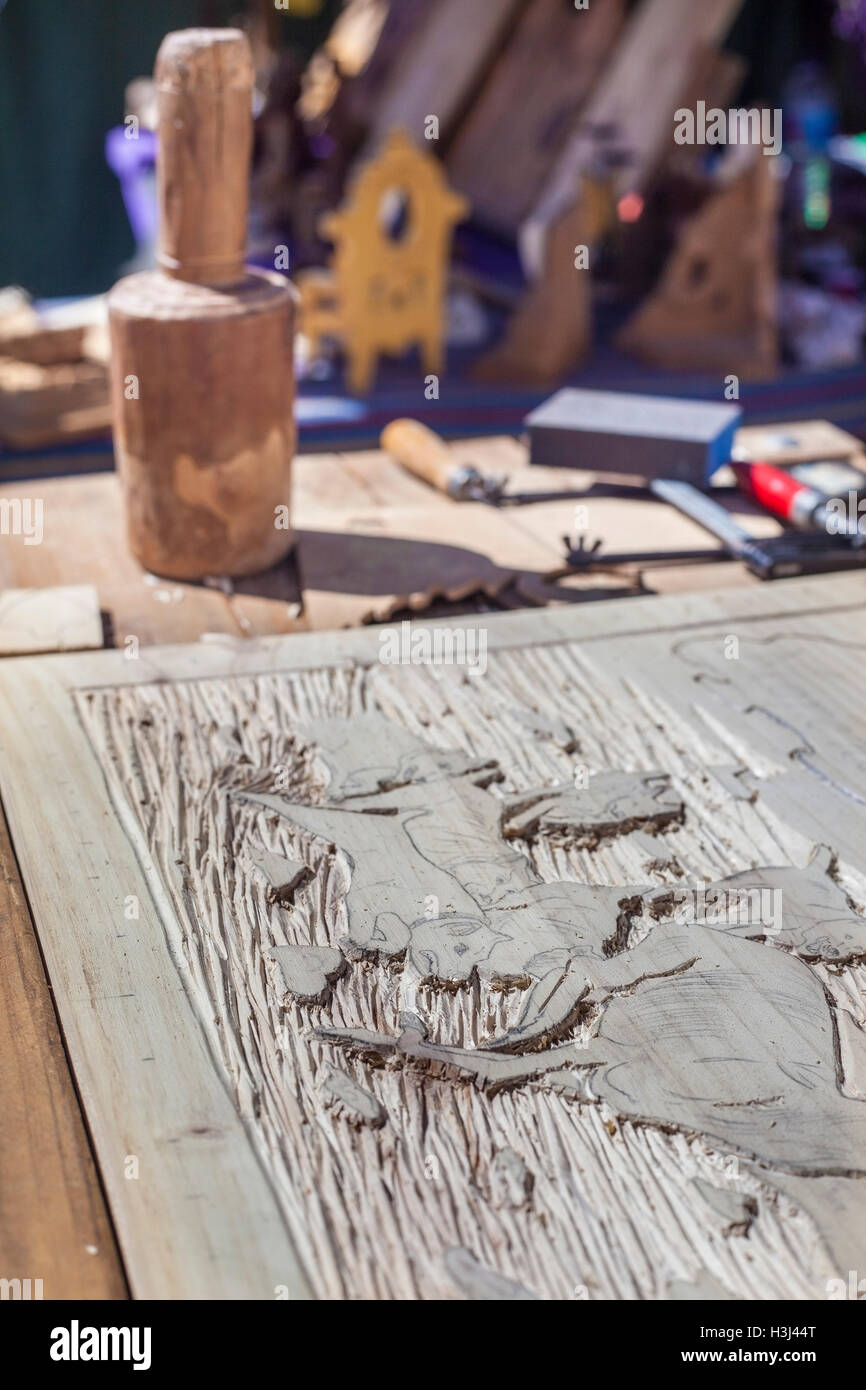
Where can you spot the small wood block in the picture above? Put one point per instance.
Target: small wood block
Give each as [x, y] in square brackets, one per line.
[66, 619]
[46, 347]
[655, 436]
[550, 331]
[46, 405]
[800, 441]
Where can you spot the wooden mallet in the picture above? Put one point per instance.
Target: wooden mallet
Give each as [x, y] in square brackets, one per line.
[202, 348]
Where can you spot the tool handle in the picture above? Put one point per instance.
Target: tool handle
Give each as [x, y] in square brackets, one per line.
[204, 84]
[420, 451]
[779, 491]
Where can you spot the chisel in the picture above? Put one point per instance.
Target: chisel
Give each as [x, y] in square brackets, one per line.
[425, 454]
[774, 558]
[790, 498]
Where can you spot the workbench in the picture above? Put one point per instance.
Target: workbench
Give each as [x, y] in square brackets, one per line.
[366, 494]
[52, 1209]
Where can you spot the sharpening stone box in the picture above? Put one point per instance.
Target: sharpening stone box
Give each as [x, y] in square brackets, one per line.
[615, 432]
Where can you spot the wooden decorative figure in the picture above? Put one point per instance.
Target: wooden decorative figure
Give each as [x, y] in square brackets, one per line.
[551, 328]
[392, 239]
[715, 305]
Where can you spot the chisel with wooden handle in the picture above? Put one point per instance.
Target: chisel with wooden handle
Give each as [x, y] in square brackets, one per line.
[425, 454]
[428, 457]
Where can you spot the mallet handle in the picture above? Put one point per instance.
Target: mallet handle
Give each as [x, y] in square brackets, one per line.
[204, 82]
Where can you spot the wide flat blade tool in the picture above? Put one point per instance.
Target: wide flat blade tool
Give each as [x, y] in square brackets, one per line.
[774, 557]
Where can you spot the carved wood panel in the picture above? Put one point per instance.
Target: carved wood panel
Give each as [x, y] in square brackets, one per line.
[541, 983]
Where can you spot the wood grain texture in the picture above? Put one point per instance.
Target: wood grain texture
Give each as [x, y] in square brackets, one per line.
[550, 330]
[202, 384]
[131, 1037]
[54, 1225]
[204, 85]
[525, 1025]
[795, 441]
[398, 35]
[42, 405]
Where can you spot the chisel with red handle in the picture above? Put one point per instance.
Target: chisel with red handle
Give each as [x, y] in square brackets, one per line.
[789, 498]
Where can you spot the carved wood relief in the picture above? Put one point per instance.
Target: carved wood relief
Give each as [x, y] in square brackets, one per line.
[520, 985]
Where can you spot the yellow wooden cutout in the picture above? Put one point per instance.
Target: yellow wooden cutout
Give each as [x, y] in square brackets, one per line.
[392, 243]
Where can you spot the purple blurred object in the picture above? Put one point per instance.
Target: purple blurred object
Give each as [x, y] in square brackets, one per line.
[850, 22]
[134, 163]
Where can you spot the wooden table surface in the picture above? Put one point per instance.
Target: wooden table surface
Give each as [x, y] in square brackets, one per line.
[364, 493]
[54, 1224]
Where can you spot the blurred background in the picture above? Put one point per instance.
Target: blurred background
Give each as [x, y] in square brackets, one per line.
[77, 153]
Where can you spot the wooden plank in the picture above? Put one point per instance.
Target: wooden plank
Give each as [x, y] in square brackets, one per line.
[307, 651]
[716, 78]
[381, 482]
[636, 101]
[200, 1220]
[518, 124]
[430, 1142]
[550, 331]
[323, 480]
[631, 524]
[371, 478]
[677, 579]
[625, 131]
[54, 1226]
[438, 72]
[403, 23]
[62, 619]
